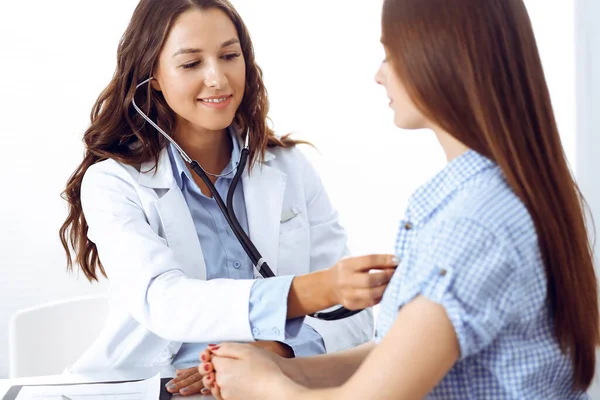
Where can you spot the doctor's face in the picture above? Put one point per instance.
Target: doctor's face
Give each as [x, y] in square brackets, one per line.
[406, 114]
[201, 70]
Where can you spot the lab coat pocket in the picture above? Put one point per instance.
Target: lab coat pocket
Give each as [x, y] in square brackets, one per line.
[291, 219]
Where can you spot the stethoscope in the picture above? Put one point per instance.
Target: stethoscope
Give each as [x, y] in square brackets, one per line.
[257, 260]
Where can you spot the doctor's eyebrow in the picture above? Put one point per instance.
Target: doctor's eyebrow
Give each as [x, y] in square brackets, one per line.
[190, 50]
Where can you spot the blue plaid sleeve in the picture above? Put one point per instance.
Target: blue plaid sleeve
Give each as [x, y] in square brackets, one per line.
[465, 268]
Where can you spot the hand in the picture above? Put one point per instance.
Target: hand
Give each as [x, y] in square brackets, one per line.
[187, 382]
[239, 371]
[207, 372]
[354, 287]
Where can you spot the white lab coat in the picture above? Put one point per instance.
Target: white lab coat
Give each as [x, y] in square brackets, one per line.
[148, 245]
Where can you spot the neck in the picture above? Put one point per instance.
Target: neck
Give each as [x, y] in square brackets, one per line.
[212, 149]
[451, 146]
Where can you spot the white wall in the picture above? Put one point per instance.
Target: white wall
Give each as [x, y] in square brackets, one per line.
[52, 67]
[319, 58]
[588, 100]
[588, 119]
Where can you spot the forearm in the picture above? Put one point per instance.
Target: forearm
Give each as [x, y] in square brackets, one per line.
[310, 293]
[328, 370]
[165, 308]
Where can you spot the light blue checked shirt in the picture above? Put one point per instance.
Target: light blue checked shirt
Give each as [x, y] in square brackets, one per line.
[468, 243]
[225, 258]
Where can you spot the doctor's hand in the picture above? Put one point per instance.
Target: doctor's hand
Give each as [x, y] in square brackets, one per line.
[239, 371]
[187, 382]
[354, 287]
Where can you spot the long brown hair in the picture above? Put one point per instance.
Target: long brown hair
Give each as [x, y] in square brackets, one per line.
[474, 70]
[119, 133]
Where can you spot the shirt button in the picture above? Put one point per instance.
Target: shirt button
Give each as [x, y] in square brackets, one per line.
[276, 331]
[408, 226]
[443, 272]
[237, 264]
[255, 331]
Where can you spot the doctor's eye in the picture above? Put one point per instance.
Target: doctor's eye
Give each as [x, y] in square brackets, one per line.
[191, 65]
[232, 56]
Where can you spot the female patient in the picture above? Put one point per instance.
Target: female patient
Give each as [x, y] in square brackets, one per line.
[496, 297]
[179, 278]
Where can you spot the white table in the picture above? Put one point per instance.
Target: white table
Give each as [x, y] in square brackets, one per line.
[115, 375]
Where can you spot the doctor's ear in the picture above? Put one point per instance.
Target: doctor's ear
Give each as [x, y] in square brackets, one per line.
[155, 84]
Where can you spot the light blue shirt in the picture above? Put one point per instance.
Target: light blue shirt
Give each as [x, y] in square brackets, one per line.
[225, 258]
[469, 244]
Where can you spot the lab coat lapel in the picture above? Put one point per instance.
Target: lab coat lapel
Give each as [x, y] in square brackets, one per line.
[160, 177]
[175, 216]
[180, 231]
[264, 188]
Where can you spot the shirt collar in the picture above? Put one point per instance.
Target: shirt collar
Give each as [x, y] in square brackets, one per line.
[435, 192]
[180, 169]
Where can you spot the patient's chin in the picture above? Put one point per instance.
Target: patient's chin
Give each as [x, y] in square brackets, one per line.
[408, 123]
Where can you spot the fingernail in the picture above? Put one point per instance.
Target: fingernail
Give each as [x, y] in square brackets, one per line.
[211, 345]
[203, 357]
[204, 391]
[171, 386]
[206, 367]
[184, 390]
[395, 260]
[214, 348]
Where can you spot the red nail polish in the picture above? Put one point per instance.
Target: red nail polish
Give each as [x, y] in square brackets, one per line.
[215, 348]
[211, 345]
[206, 367]
[203, 357]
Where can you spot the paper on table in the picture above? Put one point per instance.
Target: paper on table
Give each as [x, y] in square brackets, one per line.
[148, 389]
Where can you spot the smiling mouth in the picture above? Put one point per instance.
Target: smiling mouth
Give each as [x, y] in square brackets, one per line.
[216, 100]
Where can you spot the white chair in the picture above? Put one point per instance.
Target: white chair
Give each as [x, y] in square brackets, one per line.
[45, 339]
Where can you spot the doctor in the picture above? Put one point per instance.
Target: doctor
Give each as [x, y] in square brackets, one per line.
[179, 279]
